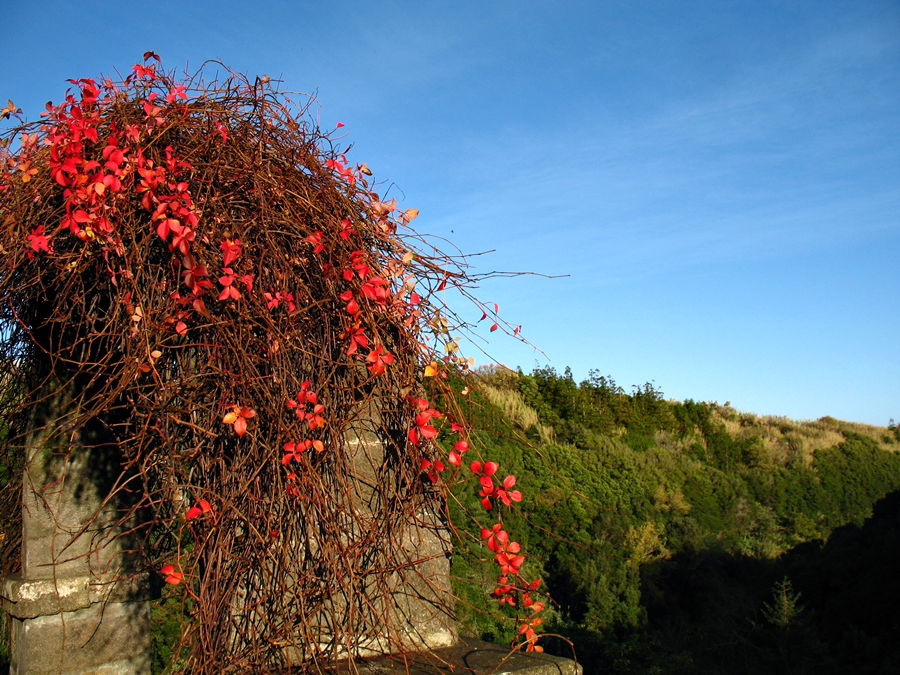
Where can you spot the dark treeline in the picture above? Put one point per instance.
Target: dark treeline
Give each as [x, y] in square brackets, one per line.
[687, 537]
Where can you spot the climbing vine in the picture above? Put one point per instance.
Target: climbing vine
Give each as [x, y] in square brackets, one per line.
[219, 288]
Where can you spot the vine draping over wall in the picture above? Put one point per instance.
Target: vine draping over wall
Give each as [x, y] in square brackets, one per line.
[220, 289]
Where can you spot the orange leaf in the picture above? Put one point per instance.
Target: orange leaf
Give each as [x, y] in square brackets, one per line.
[409, 215]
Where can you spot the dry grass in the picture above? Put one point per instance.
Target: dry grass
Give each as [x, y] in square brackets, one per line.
[516, 410]
[789, 441]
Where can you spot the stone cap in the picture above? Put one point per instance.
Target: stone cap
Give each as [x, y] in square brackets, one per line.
[29, 598]
[467, 656]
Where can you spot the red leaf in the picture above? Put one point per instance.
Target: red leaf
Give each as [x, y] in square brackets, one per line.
[38, 241]
[171, 575]
[231, 251]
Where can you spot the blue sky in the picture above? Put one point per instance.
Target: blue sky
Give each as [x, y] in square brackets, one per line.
[720, 180]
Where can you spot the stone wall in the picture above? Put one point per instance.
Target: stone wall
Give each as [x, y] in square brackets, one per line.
[76, 606]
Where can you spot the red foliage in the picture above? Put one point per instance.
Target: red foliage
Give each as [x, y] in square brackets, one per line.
[222, 283]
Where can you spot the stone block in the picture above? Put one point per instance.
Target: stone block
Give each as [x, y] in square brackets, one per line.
[29, 598]
[107, 638]
[65, 532]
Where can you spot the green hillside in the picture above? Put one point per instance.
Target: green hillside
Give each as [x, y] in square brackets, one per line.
[688, 537]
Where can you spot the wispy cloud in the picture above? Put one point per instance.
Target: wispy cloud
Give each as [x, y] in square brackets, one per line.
[786, 156]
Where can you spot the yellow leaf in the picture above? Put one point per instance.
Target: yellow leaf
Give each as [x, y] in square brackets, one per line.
[408, 257]
[230, 418]
[409, 215]
[431, 369]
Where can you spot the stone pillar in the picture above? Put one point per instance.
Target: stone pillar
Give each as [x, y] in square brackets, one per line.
[418, 596]
[410, 609]
[75, 607]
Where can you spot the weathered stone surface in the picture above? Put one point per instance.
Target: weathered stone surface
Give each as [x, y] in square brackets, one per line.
[103, 638]
[416, 599]
[422, 593]
[30, 598]
[74, 607]
[412, 609]
[65, 533]
[467, 656]
[409, 609]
